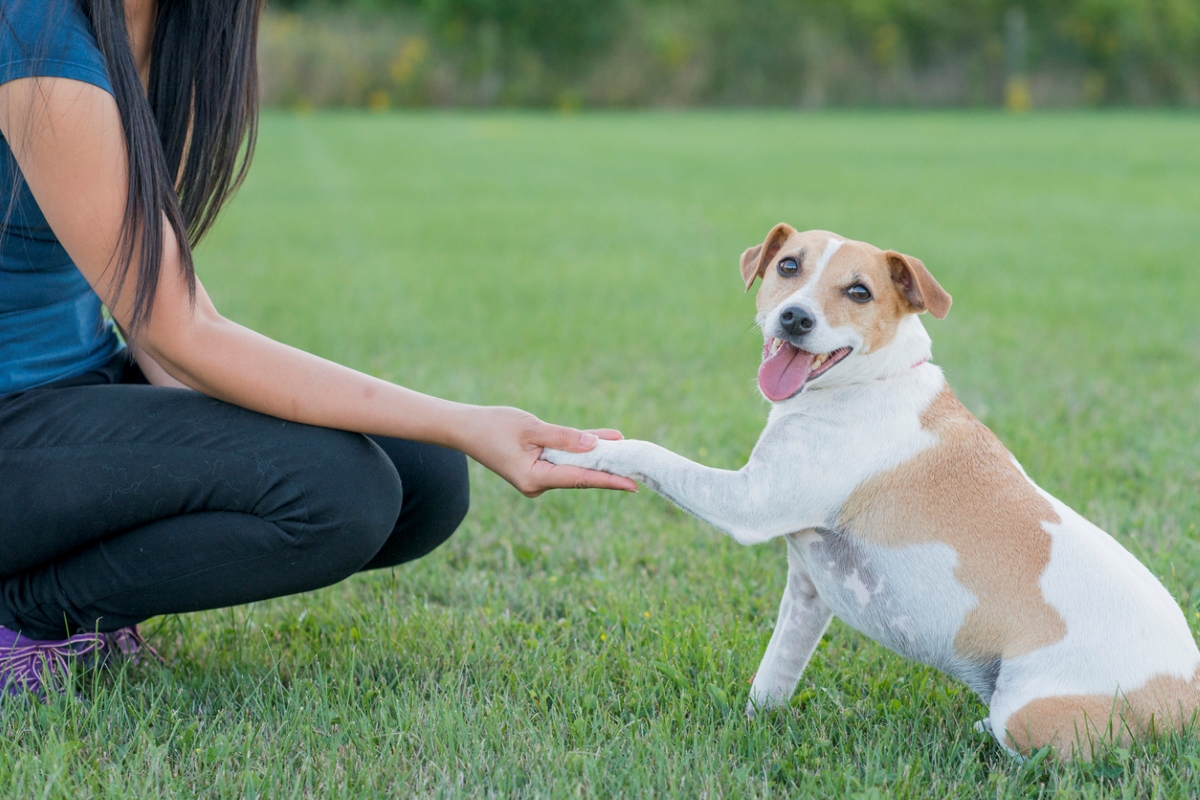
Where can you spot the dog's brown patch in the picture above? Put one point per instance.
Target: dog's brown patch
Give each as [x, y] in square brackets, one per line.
[782, 242]
[918, 288]
[966, 492]
[755, 260]
[1074, 725]
[878, 320]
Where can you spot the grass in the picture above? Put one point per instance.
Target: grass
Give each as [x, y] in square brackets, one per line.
[585, 268]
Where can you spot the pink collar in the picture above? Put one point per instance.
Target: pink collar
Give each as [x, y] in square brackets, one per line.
[914, 366]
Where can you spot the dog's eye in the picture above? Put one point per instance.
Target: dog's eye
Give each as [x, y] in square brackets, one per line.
[859, 293]
[788, 267]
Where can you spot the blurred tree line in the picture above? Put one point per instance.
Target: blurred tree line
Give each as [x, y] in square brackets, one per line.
[731, 52]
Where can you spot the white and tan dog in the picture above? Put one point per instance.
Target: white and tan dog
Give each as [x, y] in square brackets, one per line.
[907, 518]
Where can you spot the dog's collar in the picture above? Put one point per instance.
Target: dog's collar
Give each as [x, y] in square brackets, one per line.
[914, 366]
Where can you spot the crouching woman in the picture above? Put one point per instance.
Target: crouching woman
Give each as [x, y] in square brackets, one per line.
[203, 465]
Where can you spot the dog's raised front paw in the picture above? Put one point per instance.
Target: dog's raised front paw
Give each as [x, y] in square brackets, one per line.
[606, 456]
[586, 460]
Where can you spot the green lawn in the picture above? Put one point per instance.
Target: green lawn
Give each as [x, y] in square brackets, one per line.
[585, 268]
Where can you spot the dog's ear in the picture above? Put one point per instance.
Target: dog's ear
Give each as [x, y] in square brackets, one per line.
[750, 267]
[917, 286]
[756, 259]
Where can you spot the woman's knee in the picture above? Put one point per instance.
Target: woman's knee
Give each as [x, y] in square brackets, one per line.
[436, 501]
[437, 496]
[447, 491]
[354, 497]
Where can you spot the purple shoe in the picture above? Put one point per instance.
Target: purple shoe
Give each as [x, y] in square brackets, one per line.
[128, 644]
[40, 665]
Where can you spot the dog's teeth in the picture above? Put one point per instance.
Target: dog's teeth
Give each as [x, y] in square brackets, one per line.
[775, 345]
[819, 360]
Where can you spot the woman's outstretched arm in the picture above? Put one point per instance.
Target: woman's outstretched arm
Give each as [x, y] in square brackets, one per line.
[69, 143]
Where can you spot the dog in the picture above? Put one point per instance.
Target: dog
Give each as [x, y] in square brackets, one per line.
[906, 517]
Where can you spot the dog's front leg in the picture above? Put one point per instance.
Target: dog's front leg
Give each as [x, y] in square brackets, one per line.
[734, 502]
[803, 618]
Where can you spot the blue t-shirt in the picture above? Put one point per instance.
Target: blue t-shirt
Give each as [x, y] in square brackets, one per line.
[51, 325]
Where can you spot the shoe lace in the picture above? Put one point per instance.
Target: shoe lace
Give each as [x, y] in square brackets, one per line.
[40, 665]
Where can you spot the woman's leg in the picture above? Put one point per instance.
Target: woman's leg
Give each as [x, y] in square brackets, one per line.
[121, 502]
[437, 495]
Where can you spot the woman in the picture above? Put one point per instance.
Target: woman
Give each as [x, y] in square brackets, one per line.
[205, 465]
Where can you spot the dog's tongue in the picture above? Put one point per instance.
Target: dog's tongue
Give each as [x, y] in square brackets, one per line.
[782, 374]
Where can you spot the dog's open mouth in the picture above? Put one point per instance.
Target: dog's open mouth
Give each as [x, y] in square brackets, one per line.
[786, 368]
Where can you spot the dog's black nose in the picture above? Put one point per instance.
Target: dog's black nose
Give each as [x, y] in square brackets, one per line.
[797, 320]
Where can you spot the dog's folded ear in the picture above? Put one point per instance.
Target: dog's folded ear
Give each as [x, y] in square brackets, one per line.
[750, 265]
[756, 259]
[917, 286]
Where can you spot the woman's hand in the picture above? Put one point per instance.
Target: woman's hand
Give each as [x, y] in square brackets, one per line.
[509, 441]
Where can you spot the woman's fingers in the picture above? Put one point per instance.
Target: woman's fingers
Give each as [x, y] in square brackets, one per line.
[524, 470]
[573, 441]
[607, 433]
[558, 476]
[562, 438]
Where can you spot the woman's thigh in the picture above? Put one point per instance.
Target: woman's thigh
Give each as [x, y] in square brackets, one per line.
[84, 463]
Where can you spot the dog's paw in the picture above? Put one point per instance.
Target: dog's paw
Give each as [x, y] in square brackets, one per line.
[754, 709]
[623, 457]
[763, 701]
[587, 460]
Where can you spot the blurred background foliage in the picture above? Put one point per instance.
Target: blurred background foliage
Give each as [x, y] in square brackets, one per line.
[785, 53]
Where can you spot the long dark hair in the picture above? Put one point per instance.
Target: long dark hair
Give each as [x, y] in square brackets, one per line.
[202, 106]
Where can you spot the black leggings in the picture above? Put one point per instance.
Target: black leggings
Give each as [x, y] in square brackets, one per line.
[121, 501]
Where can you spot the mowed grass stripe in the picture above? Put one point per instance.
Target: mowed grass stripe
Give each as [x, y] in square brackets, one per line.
[585, 268]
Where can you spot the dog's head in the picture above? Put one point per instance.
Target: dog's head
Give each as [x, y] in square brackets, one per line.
[835, 311]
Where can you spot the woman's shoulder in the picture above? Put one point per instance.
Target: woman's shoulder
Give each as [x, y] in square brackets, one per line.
[49, 38]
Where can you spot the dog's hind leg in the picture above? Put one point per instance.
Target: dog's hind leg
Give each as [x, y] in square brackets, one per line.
[803, 618]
